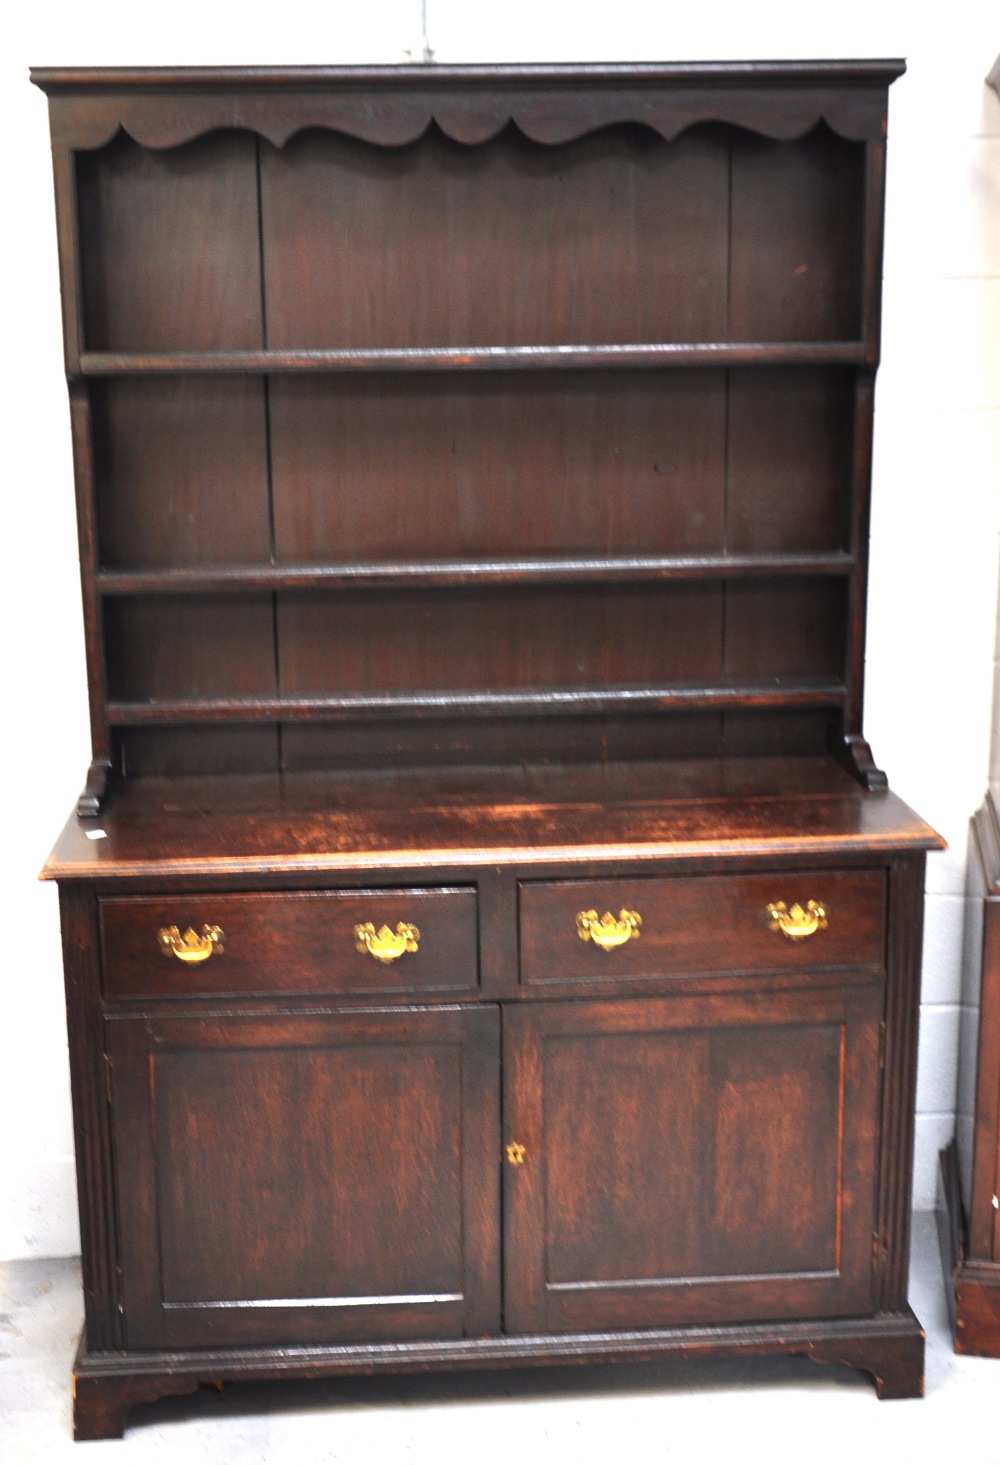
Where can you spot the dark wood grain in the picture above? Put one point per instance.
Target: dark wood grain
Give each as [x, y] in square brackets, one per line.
[789, 454]
[81, 420]
[491, 641]
[891, 1241]
[795, 271]
[704, 924]
[785, 629]
[561, 569]
[765, 732]
[667, 1125]
[873, 223]
[889, 1348]
[972, 1285]
[169, 246]
[983, 1075]
[392, 1228]
[70, 293]
[393, 106]
[968, 1215]
[292, 943]
[163, 649]
[446, 738]
[535, 465]
[182, 472]
[861, 465]
[618, 237]
[721, 809]
[208, 748]
[95, 790]
[102, 1403]
[465, 359]
[473, 472]
[88, 1078]
[514, 738]
[696, 728]
[434, 703]
[978, 1302]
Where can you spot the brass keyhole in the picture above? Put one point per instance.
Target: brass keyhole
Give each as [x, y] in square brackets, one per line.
[516, 1154]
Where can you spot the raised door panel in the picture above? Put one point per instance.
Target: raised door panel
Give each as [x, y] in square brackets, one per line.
[315, 1178]
[691, 1160]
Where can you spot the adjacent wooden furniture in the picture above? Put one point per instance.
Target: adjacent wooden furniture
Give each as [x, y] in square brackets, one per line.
[968, 1204]
[488, 938]
[969, 1182]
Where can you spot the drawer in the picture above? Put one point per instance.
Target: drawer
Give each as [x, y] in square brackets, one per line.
[699, 925]
[290, 942]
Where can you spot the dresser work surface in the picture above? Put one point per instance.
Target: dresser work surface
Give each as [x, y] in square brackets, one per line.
[326, 821]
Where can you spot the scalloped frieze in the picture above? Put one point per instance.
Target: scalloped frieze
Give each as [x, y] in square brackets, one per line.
[393, 119]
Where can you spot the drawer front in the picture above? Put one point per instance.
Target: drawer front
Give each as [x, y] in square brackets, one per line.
[691, 926]
[294, 942]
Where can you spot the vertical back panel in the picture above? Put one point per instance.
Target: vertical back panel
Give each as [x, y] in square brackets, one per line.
[797, 218]
[169, 245]
[398, 466]
[788, 480]
[490, 640]
[619, 236]
[182, 471]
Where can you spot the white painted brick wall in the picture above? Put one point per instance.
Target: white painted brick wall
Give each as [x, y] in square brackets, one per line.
[936, 514]
[45, 762]
[936, 519]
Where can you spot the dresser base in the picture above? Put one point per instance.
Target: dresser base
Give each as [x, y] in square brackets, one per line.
[972, 1287]
[106, 1386]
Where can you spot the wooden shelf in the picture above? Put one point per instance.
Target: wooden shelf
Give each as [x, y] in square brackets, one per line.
[386, 575]
[436, 460]
[480, 358]
[798, 694]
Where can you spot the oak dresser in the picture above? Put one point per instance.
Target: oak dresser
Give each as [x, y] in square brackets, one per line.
[488, 938]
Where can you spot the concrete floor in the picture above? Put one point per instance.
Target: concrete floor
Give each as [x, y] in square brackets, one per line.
[779, 1410]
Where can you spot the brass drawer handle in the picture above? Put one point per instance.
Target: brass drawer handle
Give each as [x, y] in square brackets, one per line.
[607, 932]
[796, 923]
[516, 1154]
[191, 947]
[385, 945]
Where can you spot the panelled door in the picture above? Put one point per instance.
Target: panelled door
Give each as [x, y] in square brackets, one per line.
[308, 1178]
[335, 1177]
[692, 1159]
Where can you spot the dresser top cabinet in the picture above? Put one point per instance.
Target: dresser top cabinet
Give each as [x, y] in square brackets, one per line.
[479, 417]
[472, 473]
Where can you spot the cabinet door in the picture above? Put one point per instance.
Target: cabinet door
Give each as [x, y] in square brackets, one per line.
[697, 1159]
[313, 1178]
